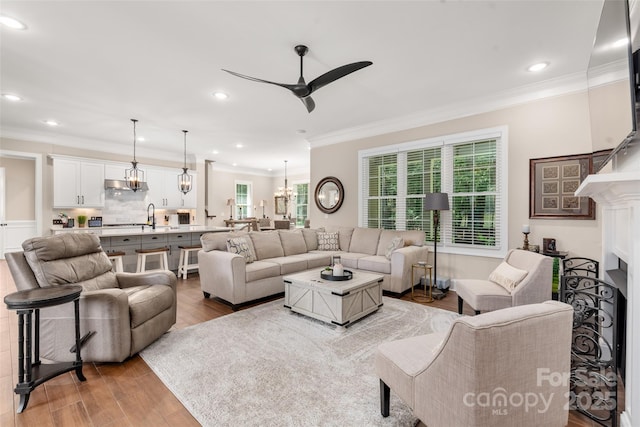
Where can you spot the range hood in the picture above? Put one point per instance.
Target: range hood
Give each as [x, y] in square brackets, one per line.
[121, 184]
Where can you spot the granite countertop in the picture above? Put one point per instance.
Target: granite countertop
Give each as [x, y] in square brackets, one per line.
[139, 230]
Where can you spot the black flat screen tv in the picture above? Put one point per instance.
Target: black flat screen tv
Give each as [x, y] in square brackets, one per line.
[613, 83]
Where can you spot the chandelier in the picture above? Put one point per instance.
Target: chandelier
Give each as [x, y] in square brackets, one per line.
[184, 179]
[134, 176]
[286, 192]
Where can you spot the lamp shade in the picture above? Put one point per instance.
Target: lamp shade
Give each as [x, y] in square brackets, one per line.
[436, 202]
[231, 202]
[263, 203]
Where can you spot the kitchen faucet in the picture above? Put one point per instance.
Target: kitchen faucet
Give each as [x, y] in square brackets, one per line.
[151, 217]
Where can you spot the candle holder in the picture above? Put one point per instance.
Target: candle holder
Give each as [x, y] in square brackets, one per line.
[525, 245]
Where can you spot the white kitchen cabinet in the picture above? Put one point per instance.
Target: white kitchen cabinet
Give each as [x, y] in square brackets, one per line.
[116, 171]
[163, 190]
[77, 184]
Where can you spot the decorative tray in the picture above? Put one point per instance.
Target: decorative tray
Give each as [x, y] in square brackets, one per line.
[328, 275]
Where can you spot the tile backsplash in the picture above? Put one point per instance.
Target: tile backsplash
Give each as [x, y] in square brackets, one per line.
[124, 207]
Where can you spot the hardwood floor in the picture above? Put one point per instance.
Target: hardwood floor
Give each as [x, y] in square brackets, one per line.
[119, 394]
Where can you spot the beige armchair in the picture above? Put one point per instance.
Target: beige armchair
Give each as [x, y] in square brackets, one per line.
[524, 277]
[125, 311]
[508, 367]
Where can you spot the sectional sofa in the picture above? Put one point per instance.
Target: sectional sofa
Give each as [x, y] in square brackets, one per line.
[240, 278]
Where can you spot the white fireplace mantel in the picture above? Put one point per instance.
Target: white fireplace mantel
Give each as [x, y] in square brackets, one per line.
[618, 195]
[612, 189]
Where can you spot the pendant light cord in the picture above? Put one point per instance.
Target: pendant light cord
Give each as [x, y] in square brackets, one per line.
[134, 139]
[185, 148]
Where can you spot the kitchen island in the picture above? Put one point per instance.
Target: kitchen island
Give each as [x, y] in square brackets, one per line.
[128, 239]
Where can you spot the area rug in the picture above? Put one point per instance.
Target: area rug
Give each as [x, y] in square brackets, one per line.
[267, 366]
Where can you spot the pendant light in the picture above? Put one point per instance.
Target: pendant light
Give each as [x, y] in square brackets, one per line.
[134, 176]
[184, 179]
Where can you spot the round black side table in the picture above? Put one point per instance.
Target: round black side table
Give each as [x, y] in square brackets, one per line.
[32, 373]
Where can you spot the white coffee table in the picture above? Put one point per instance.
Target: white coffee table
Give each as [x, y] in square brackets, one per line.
[336, 302]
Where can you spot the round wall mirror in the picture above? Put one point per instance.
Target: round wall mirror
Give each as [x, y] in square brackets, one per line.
[329, 194]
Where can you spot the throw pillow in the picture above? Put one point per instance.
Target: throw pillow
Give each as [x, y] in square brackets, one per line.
[240, 246]
[507, 276]
[328, 241]
[396, 242]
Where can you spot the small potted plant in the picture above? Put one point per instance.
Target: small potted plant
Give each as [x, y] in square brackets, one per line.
[82, 220]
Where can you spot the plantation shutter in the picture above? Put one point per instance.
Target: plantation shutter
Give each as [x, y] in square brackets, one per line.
[472, 180]
[379, 189]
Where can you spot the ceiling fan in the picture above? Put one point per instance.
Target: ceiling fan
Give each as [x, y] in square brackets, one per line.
[304, 90]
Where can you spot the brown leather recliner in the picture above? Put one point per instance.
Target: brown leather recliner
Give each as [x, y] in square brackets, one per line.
[127, 311]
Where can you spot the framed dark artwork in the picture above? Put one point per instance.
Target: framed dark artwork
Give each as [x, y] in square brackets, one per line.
[553, 183]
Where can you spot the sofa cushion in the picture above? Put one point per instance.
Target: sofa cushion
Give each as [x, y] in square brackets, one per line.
[328, 241]
[311, 238]
[350, 259]
[377, 263]
[240, 246]
[292, 242]
[266, 244]
[146, 302]
[317, 259]
[290, 264]
[261, 270]
[345, 234]
[507, 276]
[218, 241]
[365, 240]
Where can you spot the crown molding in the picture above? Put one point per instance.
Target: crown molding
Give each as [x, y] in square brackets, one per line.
[549, 88]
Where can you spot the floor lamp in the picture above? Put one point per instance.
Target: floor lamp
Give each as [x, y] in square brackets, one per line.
[436, 202]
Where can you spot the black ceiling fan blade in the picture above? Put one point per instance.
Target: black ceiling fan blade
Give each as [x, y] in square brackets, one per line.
[308, 102]
[336, 74]
[255, 79]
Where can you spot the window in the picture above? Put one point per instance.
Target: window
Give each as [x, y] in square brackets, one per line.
[301, 202]
[243, 199]
[469, 167]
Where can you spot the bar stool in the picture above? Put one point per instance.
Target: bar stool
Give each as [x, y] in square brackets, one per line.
[144, 253]
[183, 263]
[116, 259]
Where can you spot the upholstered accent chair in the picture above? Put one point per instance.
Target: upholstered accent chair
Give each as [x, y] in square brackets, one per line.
[508, 367]
[125, 311]
[523, 277]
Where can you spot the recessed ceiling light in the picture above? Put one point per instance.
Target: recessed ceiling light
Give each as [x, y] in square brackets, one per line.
[51, 123]
[220, 95]
[239, 145]
[11, 97]
[270, 169]
[538, 67]
[215, 151]
[12, 23]
[621, 42]
[234, 164]
[140, 139]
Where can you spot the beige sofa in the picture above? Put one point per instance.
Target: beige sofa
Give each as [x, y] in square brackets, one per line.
[227, 276]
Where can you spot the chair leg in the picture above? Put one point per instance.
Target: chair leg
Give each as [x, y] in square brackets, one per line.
[477, 312]
[460, 302]
[385, 393]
